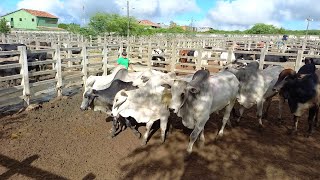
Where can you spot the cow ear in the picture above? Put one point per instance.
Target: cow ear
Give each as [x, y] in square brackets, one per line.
[167, 86]
[194, 90]
[124, 94]
[145, 79]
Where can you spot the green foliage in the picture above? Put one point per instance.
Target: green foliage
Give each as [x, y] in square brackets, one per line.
[107, 23]
[3, 26]
[63, 26]
[101, 23]
[261, 28]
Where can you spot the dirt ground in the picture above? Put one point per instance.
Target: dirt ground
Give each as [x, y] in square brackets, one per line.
[58, 141]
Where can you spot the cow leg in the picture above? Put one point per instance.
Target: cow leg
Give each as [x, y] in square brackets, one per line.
[202, 139]
[259, 112]
[193, 137]
[280, 105]
[147, 133]
[226, 117]
[195, 133]
[316, 118]
[114, 126]
[311, 119]
[163, 126]
[268, 103]
[134, 130]
[295, 124]
[241, 110]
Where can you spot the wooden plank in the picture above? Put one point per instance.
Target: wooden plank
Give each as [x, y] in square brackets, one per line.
[95, 56]
[8, 78]
[70, 48]
[41, 62]
[39, 73]
[10, 66]
[74, 76]
[41, 50]
[72, 59]
[46, 91]
[44, 82]
[10, 90]
[3, 53]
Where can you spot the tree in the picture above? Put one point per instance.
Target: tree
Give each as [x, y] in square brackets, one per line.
[63, 26]
[4, 28]
[107, 23]
[261, 28]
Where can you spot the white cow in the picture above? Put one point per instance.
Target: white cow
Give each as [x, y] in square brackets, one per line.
[146, 105]
[203, 95]
[256, 87]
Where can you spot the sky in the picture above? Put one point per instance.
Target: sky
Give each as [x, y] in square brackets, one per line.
[218, 14]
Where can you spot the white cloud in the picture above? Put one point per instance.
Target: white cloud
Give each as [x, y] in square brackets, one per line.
[72, 10]
[241, 14]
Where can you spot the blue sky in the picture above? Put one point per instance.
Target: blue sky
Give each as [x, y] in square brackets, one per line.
[218, 14]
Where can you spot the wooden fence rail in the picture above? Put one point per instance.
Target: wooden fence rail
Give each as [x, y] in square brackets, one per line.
[139, 51]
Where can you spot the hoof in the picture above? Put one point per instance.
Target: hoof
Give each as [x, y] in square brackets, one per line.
[144, 143]
[292, 132]
[187, 156]
[307, 135]
[265, 116]
[111, 137]
[218, 137]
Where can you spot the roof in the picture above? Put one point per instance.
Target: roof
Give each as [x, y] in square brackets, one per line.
[40, 13]
[35, 13]
[148, 23]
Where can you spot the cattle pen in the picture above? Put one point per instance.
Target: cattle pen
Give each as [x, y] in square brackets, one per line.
[65, 69]
[58, 141]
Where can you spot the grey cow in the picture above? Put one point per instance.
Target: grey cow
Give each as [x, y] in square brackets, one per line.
[203, 95]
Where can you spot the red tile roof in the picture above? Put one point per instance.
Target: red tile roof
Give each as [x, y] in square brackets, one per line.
[148, 23]
[40, 13]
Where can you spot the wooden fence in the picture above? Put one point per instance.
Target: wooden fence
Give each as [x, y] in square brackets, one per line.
[65, 69]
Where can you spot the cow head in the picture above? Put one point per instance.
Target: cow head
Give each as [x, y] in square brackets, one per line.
[285, 76]
[178, 93]
[120, 98]
[88, 98]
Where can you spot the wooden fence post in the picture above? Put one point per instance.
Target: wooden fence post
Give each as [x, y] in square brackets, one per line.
[105, 60]
[149, 55]
[84, 64]
[57, 57]
[173, 58]
[229, 57]
[262, 57]
[298, 60]
[69, 54]
[37, 44]
[25, 74]
[199, 59]
[90, 40]
[3, 38]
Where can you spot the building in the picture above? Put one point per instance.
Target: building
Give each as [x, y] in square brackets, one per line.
[149, 23]
[31, 19]
[204, 29]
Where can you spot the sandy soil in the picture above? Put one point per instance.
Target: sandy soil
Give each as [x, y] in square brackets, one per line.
[58, 141]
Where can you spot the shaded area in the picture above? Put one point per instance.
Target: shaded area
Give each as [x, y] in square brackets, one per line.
[24, 167]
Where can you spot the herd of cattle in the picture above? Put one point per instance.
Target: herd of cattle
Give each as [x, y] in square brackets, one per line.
[145, 97]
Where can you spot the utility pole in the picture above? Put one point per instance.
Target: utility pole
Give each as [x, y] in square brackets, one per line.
[128, 21]
[308, 19]
[191, 24]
